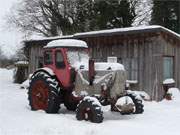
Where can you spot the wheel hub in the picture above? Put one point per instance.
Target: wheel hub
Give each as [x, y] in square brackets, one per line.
[87, 113]
[40, 95]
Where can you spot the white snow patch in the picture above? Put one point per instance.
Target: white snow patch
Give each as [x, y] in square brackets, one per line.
[67, 43]
[25, 84]
[83, 93]
[41, 38]
[99, 79]
[16, 117]
[128, 29]
[108, 66]
[119, 30]
[22, 63]
[95, 101]
[79, 59]
[139, 95]
[175, 92]
[169, 81]
[124, 101]
[129, 82]
[132, 81]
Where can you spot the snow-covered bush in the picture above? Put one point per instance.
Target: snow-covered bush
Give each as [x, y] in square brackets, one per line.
[175, 93]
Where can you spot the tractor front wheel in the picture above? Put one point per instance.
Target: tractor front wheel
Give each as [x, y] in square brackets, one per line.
[139, 107]
[89, 109]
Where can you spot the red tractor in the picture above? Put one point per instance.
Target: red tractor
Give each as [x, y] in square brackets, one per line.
[69, 77]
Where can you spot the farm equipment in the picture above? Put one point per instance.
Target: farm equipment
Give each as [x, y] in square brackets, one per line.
[69, 77]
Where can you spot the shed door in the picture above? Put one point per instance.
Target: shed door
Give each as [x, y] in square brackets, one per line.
[168, 67]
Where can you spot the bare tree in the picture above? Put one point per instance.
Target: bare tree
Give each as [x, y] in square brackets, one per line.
[143, 11]
[47, 17]
[64, 17]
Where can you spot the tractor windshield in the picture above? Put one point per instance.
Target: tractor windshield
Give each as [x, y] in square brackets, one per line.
[78, 58]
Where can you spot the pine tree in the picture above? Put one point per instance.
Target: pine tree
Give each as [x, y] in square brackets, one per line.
[114, 13]
[84, 15]
[178, 14]
[104, 14]
[166, 13]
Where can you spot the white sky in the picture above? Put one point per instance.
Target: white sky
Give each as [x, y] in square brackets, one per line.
[10, 40]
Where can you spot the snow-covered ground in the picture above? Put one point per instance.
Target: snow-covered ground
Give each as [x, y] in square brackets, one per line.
[16, 118]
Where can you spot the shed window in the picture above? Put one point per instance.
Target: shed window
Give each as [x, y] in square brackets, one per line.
[131, 66]
[48, 58]
[168, 66]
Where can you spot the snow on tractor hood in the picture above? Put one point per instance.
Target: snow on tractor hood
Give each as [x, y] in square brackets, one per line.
[99, 66]
[109, 75]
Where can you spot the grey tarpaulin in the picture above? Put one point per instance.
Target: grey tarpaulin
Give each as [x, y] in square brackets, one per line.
[115, 80]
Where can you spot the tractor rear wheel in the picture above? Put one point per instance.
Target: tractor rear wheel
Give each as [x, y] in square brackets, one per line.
[44, 93]
[89, 109]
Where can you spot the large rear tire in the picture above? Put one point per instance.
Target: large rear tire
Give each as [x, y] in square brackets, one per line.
[88, 109]
[44, 93]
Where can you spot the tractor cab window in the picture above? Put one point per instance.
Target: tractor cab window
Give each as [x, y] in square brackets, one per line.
[59, 60]
[48, 58]
[78, 57]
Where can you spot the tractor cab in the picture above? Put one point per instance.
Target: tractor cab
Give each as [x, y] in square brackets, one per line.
[64, 57]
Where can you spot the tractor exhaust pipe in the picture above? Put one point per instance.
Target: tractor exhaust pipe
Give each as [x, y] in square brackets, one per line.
[91, 71]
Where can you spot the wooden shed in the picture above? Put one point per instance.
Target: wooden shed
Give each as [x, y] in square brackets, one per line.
[150, 54]
[21, 72]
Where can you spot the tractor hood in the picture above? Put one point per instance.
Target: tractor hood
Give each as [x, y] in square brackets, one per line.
[99, 66]
[110, 75]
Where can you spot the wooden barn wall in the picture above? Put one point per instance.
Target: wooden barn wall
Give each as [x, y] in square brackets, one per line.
[35, 53]
[177, 65]
[140, 56]
[156, 69]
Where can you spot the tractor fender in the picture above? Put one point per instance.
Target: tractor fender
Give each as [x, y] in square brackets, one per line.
[45, 70]
[48, 71]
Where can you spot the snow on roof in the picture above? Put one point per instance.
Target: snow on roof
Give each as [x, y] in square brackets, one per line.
[66, 43]
[172, 32]
[111, 31]
[118, 30]
[123, 30]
